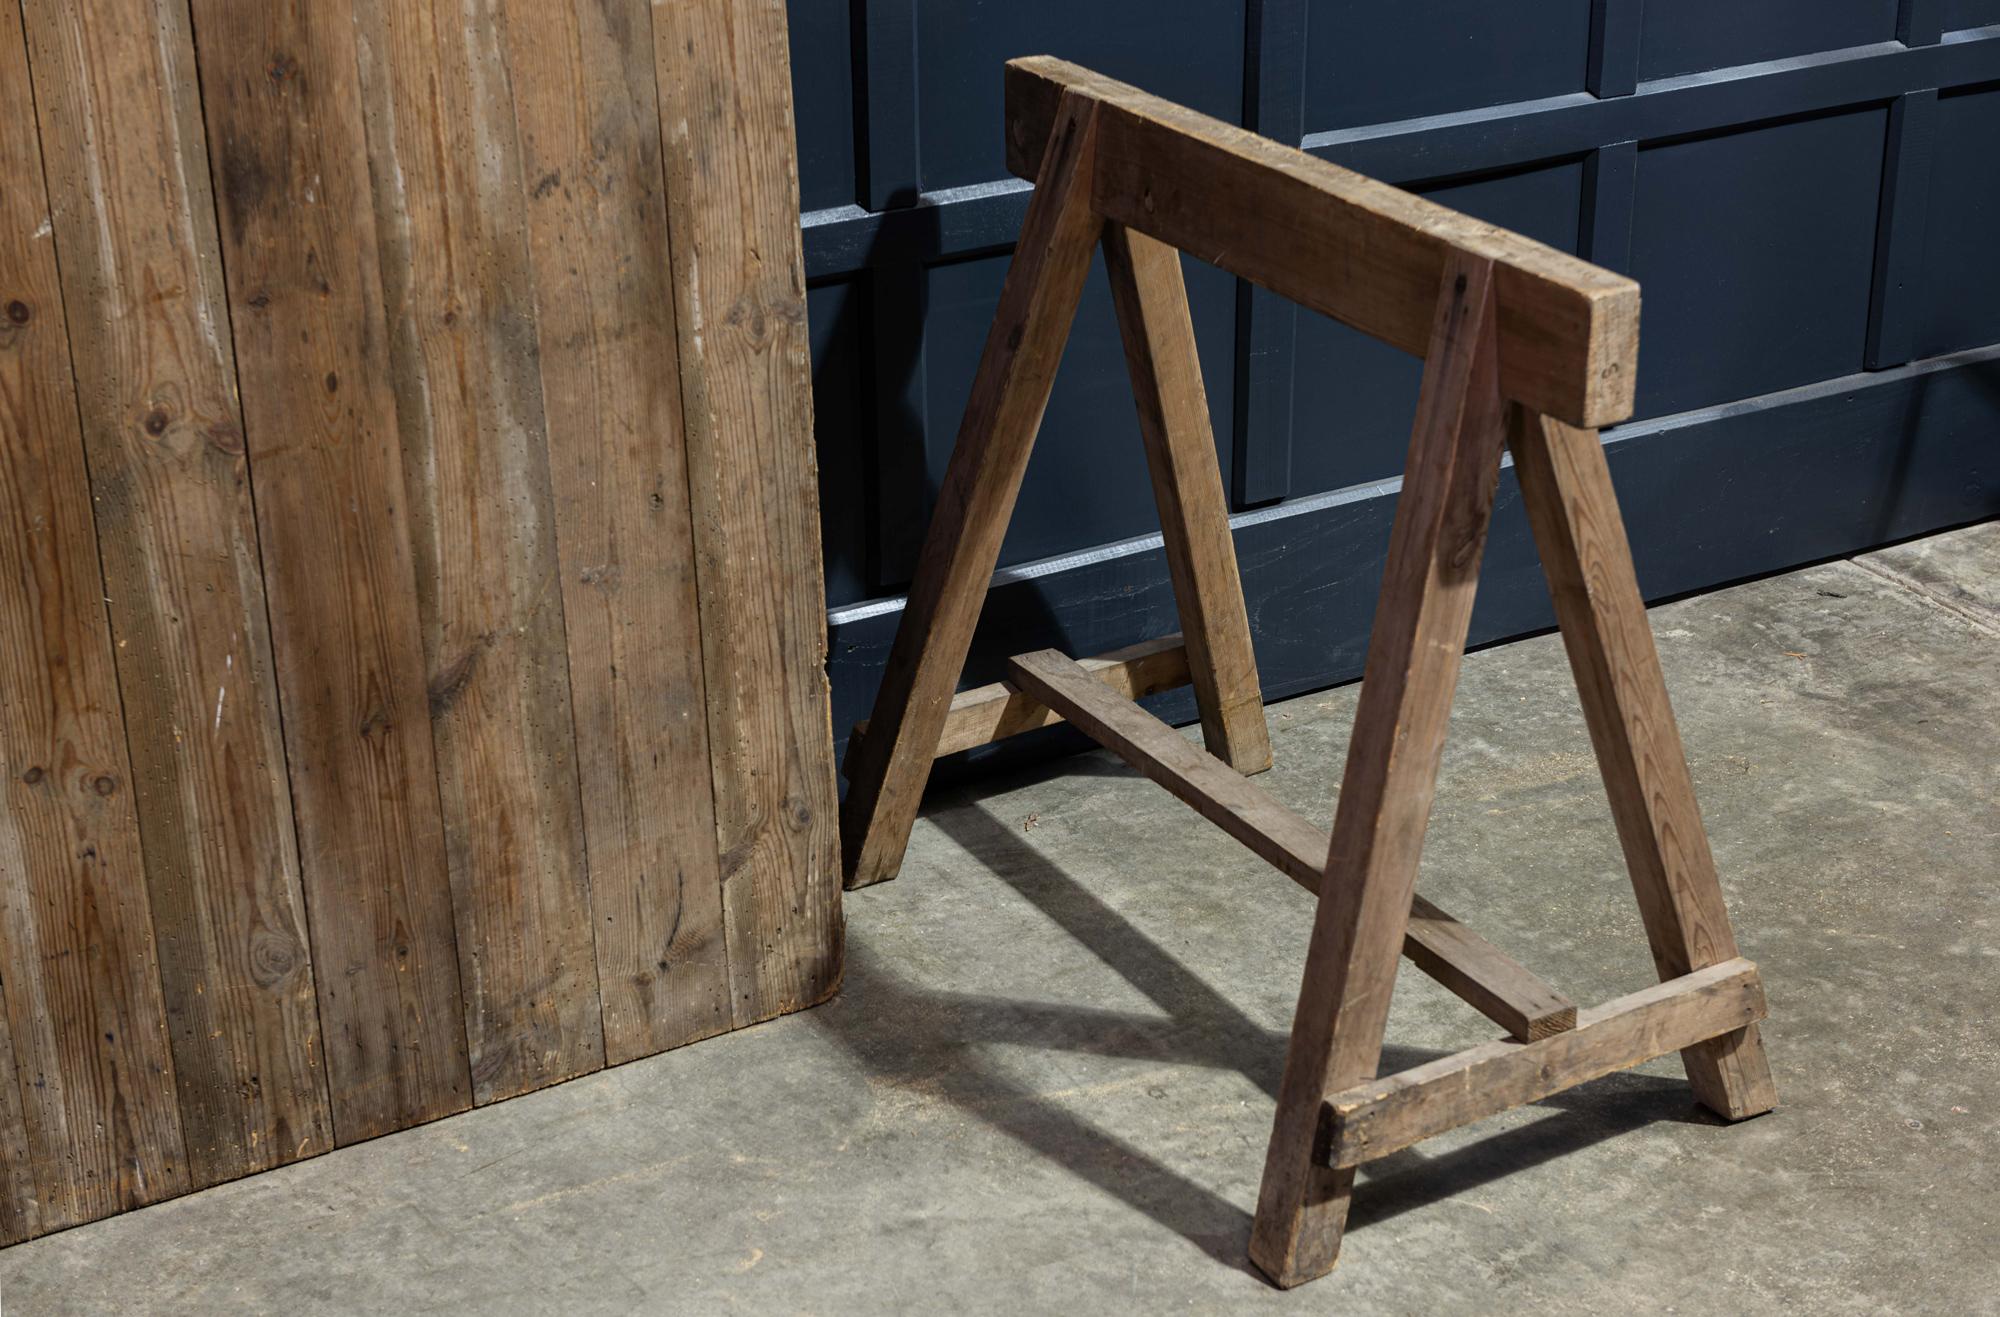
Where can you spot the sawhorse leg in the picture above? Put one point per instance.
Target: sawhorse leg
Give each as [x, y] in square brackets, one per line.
[1566, 486]
[886, 776]
[886, 779]
[1392, 763]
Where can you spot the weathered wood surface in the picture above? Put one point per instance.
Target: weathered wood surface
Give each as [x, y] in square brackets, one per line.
[1338, 242]
[1386, 1115]
[1495, 984]
[1385, 799]
[994, 712]
[1158, 331]
[1566, 488]
[586, 101]
[746, 389]
[149, 331]
[99, 1130]
[1003, 415]
[451, 207]
[283, 107]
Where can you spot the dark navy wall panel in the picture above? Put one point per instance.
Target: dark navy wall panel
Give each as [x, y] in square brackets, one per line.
[843, 428]
[1754, 251]
[1961, 281]
[1796, 396]
[1188, 52]
[1688, 36]
[823, 103]
[1970, 13]
[1369, 63]
[1356, 397]
[1087, 481]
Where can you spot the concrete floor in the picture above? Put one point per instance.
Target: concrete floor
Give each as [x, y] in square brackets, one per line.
[1047, 1083]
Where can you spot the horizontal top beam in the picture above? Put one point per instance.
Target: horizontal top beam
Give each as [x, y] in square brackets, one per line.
[1367, 254]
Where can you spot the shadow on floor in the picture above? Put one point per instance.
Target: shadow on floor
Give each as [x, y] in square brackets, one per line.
[928, 1040]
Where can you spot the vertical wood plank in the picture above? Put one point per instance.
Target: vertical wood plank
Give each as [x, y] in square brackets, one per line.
[134, 217]
[746, 377]
[458, 285]
[20, 1203]
[1566, 488]
[285, 132]
[1004, 413]
[586, 102]
[87, 1028]
[1153, 318]
[1385, 799]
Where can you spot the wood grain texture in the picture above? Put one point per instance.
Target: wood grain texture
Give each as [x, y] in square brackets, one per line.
[746, 385]
[463, 352]
[1481, 974]
[998, 710]
[1566, 488]
[1399, 729]
[135, 221]
[1383, 1116]
[981, 483]
[288, 152]
[587, 112]
[89, 1055]
[20, 1202]
[1160, 354]
[1338, 242]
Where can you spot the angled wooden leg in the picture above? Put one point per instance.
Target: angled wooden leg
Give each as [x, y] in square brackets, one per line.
[1153, 317]
[1566, 486]
[1004, 413]
[1392, 763]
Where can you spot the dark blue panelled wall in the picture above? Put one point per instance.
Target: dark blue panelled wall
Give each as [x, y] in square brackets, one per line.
[1808, 191]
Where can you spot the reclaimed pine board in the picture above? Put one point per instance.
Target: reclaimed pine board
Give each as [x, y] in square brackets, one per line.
[586, 104]
[746, 385]
[283, 109]
[20, 1204]
[88, 1030]
[451, 225]
[135, 222]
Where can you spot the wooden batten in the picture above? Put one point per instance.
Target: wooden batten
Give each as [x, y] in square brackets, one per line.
[1386, 1115]
[1479, 973]
[995, 712]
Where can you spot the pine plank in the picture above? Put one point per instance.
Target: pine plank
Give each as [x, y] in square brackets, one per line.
[1399, 729]
[1495, 984]
[1387, 1115]
[463, 354]
[89, 1055]
[1153, 318]
[134, 217]
[286, 140]
[746, 382]
[1573, 510]
[586, 102]
[1338, 242]
[1002, 417]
